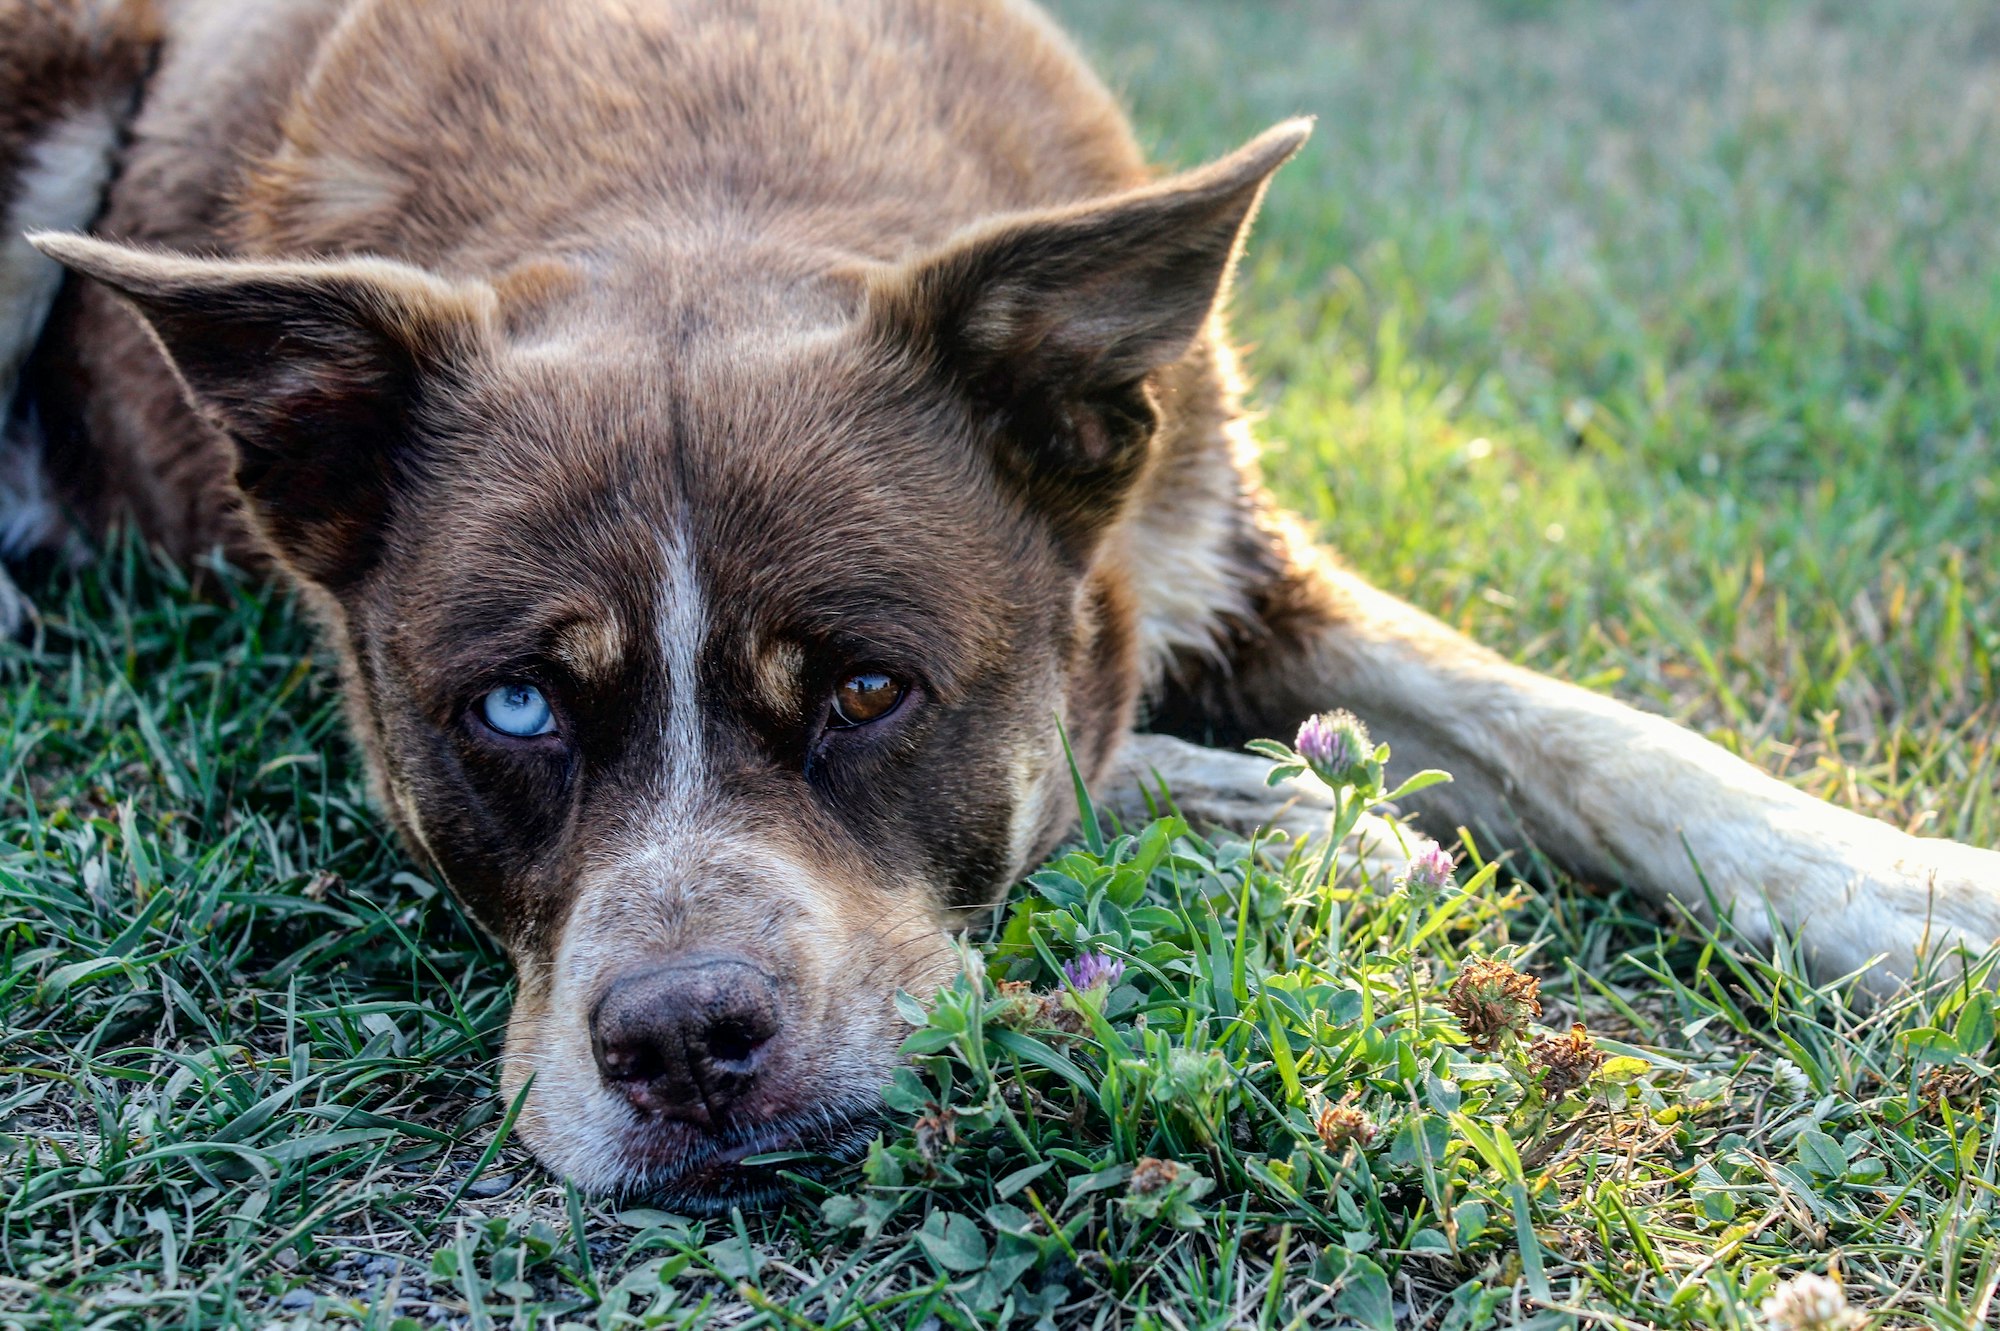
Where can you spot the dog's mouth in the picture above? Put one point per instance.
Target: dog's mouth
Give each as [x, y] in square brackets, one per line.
[698, 1172]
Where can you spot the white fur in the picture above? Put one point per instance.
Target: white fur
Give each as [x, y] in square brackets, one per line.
[683, 628]
[59, 190]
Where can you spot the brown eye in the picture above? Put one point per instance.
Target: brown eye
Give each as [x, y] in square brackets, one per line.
[867, 696]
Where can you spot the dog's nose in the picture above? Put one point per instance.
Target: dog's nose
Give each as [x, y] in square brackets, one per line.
[685, 1040]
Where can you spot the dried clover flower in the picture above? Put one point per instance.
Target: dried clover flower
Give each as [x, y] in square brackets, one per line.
[1947, 1086]
[1492, 1000]
[1335, 745]
[1021, 1007]
[1339, 1124]
[1017, 1005]
[1810, 1302]
[936, 1132]
[1566, 1062]
[1059, 1011]
[1151, 1175]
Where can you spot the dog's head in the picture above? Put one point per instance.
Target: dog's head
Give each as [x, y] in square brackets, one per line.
[707, 625]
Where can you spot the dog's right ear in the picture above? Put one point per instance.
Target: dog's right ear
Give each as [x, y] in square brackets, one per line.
[312, 369]
[1055, 320]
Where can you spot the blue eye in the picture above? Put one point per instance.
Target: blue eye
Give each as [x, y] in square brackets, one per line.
[519, 710]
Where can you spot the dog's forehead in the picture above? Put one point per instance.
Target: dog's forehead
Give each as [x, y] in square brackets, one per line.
[794, 488]
[756, 424]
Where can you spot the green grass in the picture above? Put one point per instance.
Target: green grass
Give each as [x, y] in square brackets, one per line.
[1657, 343]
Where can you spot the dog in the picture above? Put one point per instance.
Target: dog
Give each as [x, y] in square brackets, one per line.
[732, 446]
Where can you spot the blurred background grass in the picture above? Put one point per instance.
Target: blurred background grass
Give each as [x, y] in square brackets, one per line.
[1655, 342]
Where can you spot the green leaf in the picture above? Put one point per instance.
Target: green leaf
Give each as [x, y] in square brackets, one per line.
[1013, 1258]
[841, 1211]
[642, 1217]
[1423, 780]
[1429, 1240]
[929, 1040]
[1093, 832]
[1030, 1050]
[1822, 1155]
[1420, 1141]
[134, 933]
[1974, 1032]
[1526, 1241]
[64, 978]
[1928, 1044]
[1363, 1289]
[882, 1168]
[953, 1241]
[1021, 1178]
[1109, 1176]
[911, 1008]
[734, 1257]
[1470, 1217]
[1281, 1052]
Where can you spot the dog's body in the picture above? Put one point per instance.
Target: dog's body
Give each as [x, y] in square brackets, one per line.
[721, 438]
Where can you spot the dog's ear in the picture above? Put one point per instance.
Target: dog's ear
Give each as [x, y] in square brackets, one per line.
[1055, 319]
[313, 370]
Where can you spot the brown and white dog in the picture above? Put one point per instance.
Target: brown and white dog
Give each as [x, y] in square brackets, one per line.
[721, 438]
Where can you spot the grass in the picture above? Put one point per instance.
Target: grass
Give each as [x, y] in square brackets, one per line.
[1657, 343]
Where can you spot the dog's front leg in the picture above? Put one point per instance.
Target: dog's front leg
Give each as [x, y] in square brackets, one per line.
[1610, 792]
[1215, 789]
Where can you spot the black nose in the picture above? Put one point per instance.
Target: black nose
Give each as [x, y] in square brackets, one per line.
[685, 1040]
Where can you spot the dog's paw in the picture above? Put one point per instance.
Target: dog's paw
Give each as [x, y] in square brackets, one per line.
[1913, 902]
[1377, 850]
[1218, 790]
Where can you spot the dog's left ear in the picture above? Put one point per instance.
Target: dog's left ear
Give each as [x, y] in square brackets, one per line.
[312, 369]
[1056, 319]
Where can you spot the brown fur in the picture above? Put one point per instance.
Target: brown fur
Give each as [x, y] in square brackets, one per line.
[679, 357]
[69, 71]
[58, 57]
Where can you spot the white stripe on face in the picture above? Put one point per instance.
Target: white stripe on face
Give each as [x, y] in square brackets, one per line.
[683, 619]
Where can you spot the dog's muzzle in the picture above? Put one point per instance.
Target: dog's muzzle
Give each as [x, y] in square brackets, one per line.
[686, 1040]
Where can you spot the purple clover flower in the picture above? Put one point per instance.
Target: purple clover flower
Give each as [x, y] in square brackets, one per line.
[1317, 743]
[1429, 869]
[1335, 745]
[1092, 970]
